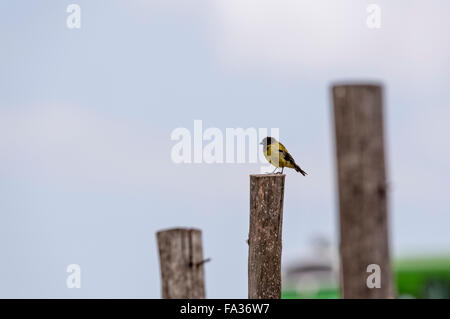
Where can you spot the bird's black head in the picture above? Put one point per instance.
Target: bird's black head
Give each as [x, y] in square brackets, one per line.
[268, 140]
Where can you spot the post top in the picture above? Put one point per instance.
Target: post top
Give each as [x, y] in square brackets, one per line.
[266, 175]
[356, 84]
[178, 230]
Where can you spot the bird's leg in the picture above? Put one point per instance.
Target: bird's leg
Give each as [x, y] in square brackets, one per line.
[274, 170]
[282, 169]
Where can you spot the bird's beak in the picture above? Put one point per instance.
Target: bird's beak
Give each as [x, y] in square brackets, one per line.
[260, 143]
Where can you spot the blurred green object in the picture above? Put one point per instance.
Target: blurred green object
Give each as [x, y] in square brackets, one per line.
[424, 278]
[321, 294]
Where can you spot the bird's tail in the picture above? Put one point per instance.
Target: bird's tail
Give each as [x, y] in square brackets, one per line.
[298, 169]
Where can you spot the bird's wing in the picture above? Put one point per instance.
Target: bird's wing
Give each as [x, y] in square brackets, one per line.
[284, 152]
[282, 148]
[287, 156]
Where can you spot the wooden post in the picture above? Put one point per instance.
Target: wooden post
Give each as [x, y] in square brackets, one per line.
[358, 116]
[181, 261]
[264, 251]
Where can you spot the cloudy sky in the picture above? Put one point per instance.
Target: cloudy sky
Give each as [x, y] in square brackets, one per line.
[86, 116]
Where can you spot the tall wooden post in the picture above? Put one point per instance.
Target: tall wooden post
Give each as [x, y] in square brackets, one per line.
[358, 116]
[264, 252]
[181, 261]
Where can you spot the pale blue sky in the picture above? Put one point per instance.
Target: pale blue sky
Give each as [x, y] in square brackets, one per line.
[86, 116]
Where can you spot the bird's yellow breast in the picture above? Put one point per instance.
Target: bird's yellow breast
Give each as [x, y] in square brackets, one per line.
[275, 155]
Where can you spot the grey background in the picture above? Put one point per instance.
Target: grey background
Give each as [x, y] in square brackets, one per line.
[86, 116]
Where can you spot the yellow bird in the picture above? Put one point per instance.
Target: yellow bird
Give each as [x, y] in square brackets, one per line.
[278, 155]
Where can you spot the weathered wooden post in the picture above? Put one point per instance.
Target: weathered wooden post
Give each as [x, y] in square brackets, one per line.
[264, 251]
[358, 118]
[181, 261]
